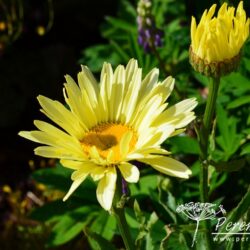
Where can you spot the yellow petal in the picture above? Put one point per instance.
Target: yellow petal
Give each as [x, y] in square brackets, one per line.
[193, 30]
[148, 82]
[131, 69]
[219, 38]
[117, 94]
[98, 173]
[58, 153]
[106, 189]
[78, 176]
[129, 172]
[51, 152]
[168, 166]
[62, 116]
[155, 137]
[28, 135]
[78, 165]
[124, 144]
[131, 98]
[76, 183]
[150, 152]
[77, 99]
[178, 115]
[71, 164]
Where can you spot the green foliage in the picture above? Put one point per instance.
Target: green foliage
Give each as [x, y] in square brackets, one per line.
[151, 230]
[70, 218]
[146, 185]
[185, 145]
[60, 178]
[228, 140]
[98, 242]
[70, 225]
[105, 225]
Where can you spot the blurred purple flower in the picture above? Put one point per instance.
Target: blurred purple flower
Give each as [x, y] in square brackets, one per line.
[124, 187]
[149, 36]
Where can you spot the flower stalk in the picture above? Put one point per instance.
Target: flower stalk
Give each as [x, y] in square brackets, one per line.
[204, 136]
[118, 211]
[204, 142]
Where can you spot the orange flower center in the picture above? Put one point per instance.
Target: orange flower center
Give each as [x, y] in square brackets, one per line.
[106, 137]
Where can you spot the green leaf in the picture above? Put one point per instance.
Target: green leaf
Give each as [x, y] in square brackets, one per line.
[159, 9]
[142, 227]
[136, 51]
[128, 10]
[201, 78]
[70, 225]
[246, 62]
[97, 241]
[50, 211]
[235, 83]
[229, 140]
[121, 24]
[104, 224]
[130, 218]
[229, 166]
[59, 178]
[144, 186]
[173, 241]
[195, 168]
[168, 203]
[120, 51]
[239, 102]
[95, 56]
[156, 232]
[138, 213]
[216, 180]
[245, 243]
[245, 149]
[184, 144]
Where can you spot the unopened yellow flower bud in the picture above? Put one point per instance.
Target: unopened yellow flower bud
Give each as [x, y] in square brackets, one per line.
[216, 41]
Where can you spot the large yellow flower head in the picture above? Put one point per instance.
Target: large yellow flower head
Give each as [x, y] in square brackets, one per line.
[217, 41]
[111, 123]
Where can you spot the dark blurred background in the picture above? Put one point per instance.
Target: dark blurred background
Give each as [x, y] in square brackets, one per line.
[53, 35]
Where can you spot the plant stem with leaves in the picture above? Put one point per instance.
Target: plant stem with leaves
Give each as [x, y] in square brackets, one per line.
[118, 210]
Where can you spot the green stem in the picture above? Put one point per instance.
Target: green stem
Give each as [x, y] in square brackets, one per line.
[118, 210]
[204, 137]
[209, 113]
[204, 142]
[124, 230]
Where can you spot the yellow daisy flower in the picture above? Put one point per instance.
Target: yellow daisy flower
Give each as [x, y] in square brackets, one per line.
[222, 37]
[108, 125]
